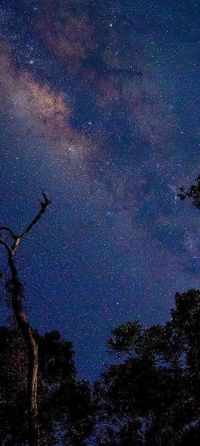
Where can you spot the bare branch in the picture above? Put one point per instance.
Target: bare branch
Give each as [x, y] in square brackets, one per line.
[44, 205]
[17, 238]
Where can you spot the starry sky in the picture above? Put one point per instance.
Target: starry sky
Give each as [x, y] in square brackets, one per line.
[100, 108]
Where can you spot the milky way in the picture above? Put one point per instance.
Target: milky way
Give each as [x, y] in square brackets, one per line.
[99, 106]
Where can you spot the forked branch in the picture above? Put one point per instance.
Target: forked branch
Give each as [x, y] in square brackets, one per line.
[17, 238]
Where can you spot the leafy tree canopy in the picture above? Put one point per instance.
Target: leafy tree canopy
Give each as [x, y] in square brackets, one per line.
[151, 397]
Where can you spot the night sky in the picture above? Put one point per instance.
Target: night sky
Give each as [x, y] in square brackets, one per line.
[100, 108]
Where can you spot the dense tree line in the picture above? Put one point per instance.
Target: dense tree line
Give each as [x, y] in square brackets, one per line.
[149, 397]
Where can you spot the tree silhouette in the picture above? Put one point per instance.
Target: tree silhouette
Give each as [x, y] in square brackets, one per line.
[193, 192]
[11, 242]
[151, 397]
[64, 404]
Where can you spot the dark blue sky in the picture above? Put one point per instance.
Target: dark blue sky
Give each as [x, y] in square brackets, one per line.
[100, 107]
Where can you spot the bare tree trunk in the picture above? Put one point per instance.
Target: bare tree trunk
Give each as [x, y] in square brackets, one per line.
[22, 321]
[32, 347]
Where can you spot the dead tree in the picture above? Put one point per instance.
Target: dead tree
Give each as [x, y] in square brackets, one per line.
[15, 288]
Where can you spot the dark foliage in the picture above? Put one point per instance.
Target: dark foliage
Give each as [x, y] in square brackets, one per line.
[64, 403]
[152, 396]
[193, 192]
